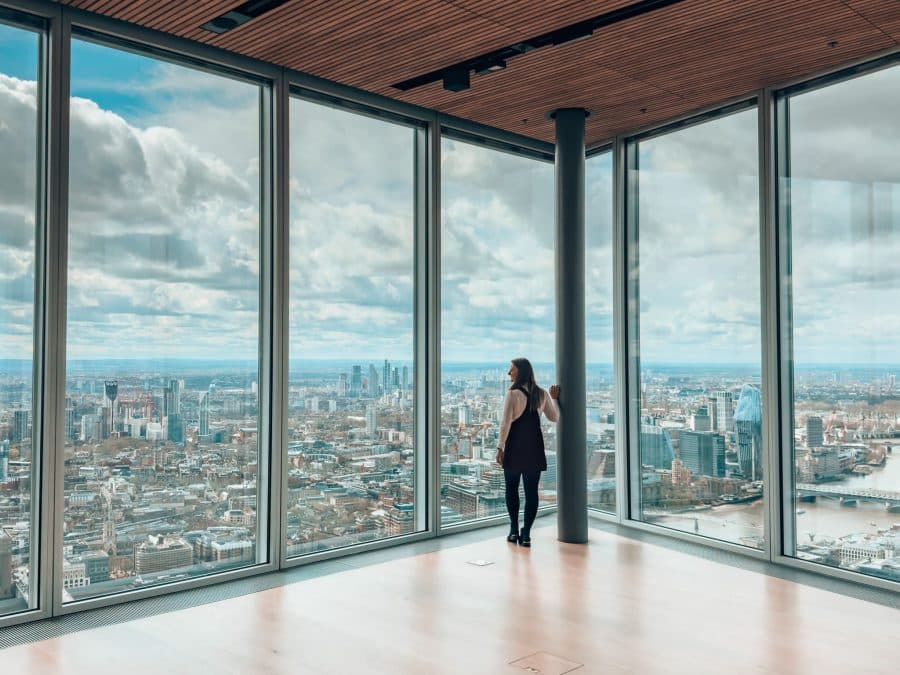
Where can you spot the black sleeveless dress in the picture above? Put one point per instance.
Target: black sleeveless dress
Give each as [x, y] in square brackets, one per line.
[525, 442]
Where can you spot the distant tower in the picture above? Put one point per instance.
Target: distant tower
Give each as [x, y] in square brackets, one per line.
[701, 420]
[4, 461]
[373, 381]
[70, 423]
[724, 411]
[465, 415]
[815, 436]
[20, 424]
[112, 390]
[748, 424]
[172, 399]
[109, 528]
[405, 378]
[371, 421]
[204, 413]
[356, 381]
[386, 376]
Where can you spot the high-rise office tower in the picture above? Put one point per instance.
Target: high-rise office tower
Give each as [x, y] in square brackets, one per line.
[4, 460]
[703, 452]
[712, 411]
[701, 420]
[343, 386]
[21, 419]
[91, 428]
[373, 381]
[815, 434]
[172, 398]
[175, 428]
[371, 421]
[356, 381]
[395, 377]
[70, 423]
[204, 413]
[465, 414]
[386, 376]
[724, 411]
[656, 447]
[748, 425]
[405, 378]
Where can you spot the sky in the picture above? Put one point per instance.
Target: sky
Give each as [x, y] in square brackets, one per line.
[164, 227]
[698, 228]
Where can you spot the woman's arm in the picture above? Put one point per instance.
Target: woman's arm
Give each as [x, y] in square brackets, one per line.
[548, 405]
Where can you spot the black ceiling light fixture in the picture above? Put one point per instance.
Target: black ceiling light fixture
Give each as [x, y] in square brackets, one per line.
[241, 15]
[456, 79]
[453, 77]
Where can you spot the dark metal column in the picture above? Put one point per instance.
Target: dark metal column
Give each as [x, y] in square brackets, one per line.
[571, 449]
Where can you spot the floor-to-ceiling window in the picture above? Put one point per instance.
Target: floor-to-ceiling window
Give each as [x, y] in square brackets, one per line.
[695, 288]
[20, 104]
[497, 304]
[598, 294]
[352, 452]
[841, 229]
[162, 449]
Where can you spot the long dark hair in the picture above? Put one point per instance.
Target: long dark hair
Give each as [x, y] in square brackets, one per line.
[525, 380]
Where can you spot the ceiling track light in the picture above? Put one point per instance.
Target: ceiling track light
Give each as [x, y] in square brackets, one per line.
[456, 79]
[241, 15]
[453, 77]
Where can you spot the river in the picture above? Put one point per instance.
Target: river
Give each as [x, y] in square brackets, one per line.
[824, 518]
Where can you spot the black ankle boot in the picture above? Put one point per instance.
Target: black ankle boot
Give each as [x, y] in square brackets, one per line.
[525, 539]
[513, 536]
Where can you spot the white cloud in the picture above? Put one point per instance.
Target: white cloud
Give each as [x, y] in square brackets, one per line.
[165, 260]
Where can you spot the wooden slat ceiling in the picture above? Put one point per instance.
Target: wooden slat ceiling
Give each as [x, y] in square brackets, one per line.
[665, 64]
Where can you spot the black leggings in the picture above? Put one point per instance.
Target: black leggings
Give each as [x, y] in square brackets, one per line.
[531, 480]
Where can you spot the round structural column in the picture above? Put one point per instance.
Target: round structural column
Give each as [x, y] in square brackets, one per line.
[571, 457]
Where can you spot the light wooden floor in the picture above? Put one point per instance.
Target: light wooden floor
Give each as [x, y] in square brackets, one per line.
[616, 605]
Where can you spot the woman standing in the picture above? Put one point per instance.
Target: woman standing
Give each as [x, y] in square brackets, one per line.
[521, 447]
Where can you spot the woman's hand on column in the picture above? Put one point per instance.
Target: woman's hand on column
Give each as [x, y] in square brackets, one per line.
[499, 457]
[554, 392]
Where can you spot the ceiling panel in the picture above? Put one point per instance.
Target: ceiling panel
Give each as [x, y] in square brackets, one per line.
[882, 13]
[539, 17]
[642, 71]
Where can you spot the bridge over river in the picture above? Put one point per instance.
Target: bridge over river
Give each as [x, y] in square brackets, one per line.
[887, 497]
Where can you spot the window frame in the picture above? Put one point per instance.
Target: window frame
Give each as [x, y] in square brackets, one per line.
[779, 208]
[630, 513]
[111, 34]
[300, 91]
[39, 562]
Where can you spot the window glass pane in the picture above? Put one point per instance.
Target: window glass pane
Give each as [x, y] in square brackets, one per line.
[351, 414]
[18, 198]
[497, 304]
[699, 327]
[844, 235]
[601, 400]
[162, 376]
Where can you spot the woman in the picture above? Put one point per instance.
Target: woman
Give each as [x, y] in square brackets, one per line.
[521, 447]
